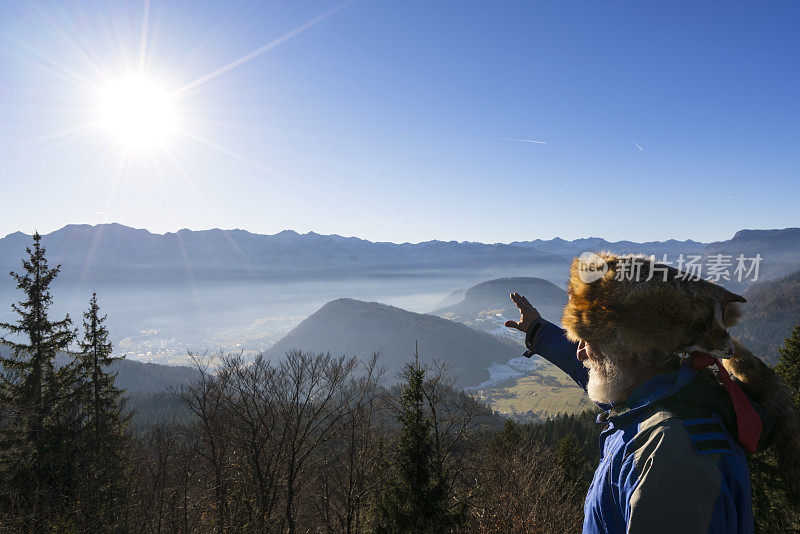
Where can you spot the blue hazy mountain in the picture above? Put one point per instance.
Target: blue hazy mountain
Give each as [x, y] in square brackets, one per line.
[118, 253]
[773, 245]
[575, 247]
[356, 328]
[779, 250]
[112, 252]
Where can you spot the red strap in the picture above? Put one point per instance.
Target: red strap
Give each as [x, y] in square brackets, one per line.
[748, 421]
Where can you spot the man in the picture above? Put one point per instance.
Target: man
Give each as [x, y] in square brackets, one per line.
[673, 458]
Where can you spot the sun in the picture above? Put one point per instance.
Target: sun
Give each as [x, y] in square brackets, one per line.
[138, 112]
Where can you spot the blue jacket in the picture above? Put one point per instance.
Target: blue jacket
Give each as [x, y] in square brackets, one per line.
[670, 463]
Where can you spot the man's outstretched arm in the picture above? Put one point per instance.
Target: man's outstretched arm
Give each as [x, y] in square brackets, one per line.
[548, 341]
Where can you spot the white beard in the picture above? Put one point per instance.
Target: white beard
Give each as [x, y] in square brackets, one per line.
[609, 382]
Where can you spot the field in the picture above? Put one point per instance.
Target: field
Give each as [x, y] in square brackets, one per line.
[542, 394]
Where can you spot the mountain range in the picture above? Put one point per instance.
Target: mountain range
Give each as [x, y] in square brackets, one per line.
[774, 245]
[570, 249]
[119, 253]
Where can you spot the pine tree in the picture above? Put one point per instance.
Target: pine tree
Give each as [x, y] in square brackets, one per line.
[788, 367]
[569, 457]
[101, 397]
[32, 466]
[773, 507]
[103, 429]
[415, 499]
[508, 439]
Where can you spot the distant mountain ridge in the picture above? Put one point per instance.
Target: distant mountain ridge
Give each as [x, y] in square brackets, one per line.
[575, 247]
[357, 328]
[779, 250]
[115, 252]
[781, 245]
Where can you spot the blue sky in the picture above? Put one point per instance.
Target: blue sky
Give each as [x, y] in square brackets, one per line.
[401, 121]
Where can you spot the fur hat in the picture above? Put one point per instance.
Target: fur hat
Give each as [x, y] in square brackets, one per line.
[630, 305]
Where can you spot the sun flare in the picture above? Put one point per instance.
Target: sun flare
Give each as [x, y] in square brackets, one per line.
[137, 112]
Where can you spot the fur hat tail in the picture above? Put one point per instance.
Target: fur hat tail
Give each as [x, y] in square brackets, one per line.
[766, 388]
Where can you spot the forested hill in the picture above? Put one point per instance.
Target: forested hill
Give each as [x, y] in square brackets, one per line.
[771, 311]
[137, 377]
[141, 377]
[492, 297]
[357, 328]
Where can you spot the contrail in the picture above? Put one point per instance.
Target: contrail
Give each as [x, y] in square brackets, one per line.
[512, 139]
[522, 140]
[258, 51]
[536, 141]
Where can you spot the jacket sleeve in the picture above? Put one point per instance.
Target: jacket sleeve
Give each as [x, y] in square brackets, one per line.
[666, 486]
[550, 342]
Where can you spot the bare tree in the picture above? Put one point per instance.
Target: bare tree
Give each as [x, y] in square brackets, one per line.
[313, 398]
[454, 413]
[258, 436]
[165, 486]
[520, 488]
[206, 398]
[345, 468]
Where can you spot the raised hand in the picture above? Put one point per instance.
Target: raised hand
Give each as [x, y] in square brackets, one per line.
[528, 313]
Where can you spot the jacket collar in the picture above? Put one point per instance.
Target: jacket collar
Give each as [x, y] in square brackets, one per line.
[655, 389]
[693, 391]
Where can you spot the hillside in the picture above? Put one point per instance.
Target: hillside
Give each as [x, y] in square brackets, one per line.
[454, 297]
[772, 310]
[139, 377]
[357, 328]
[136, 377]
[487, 305]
